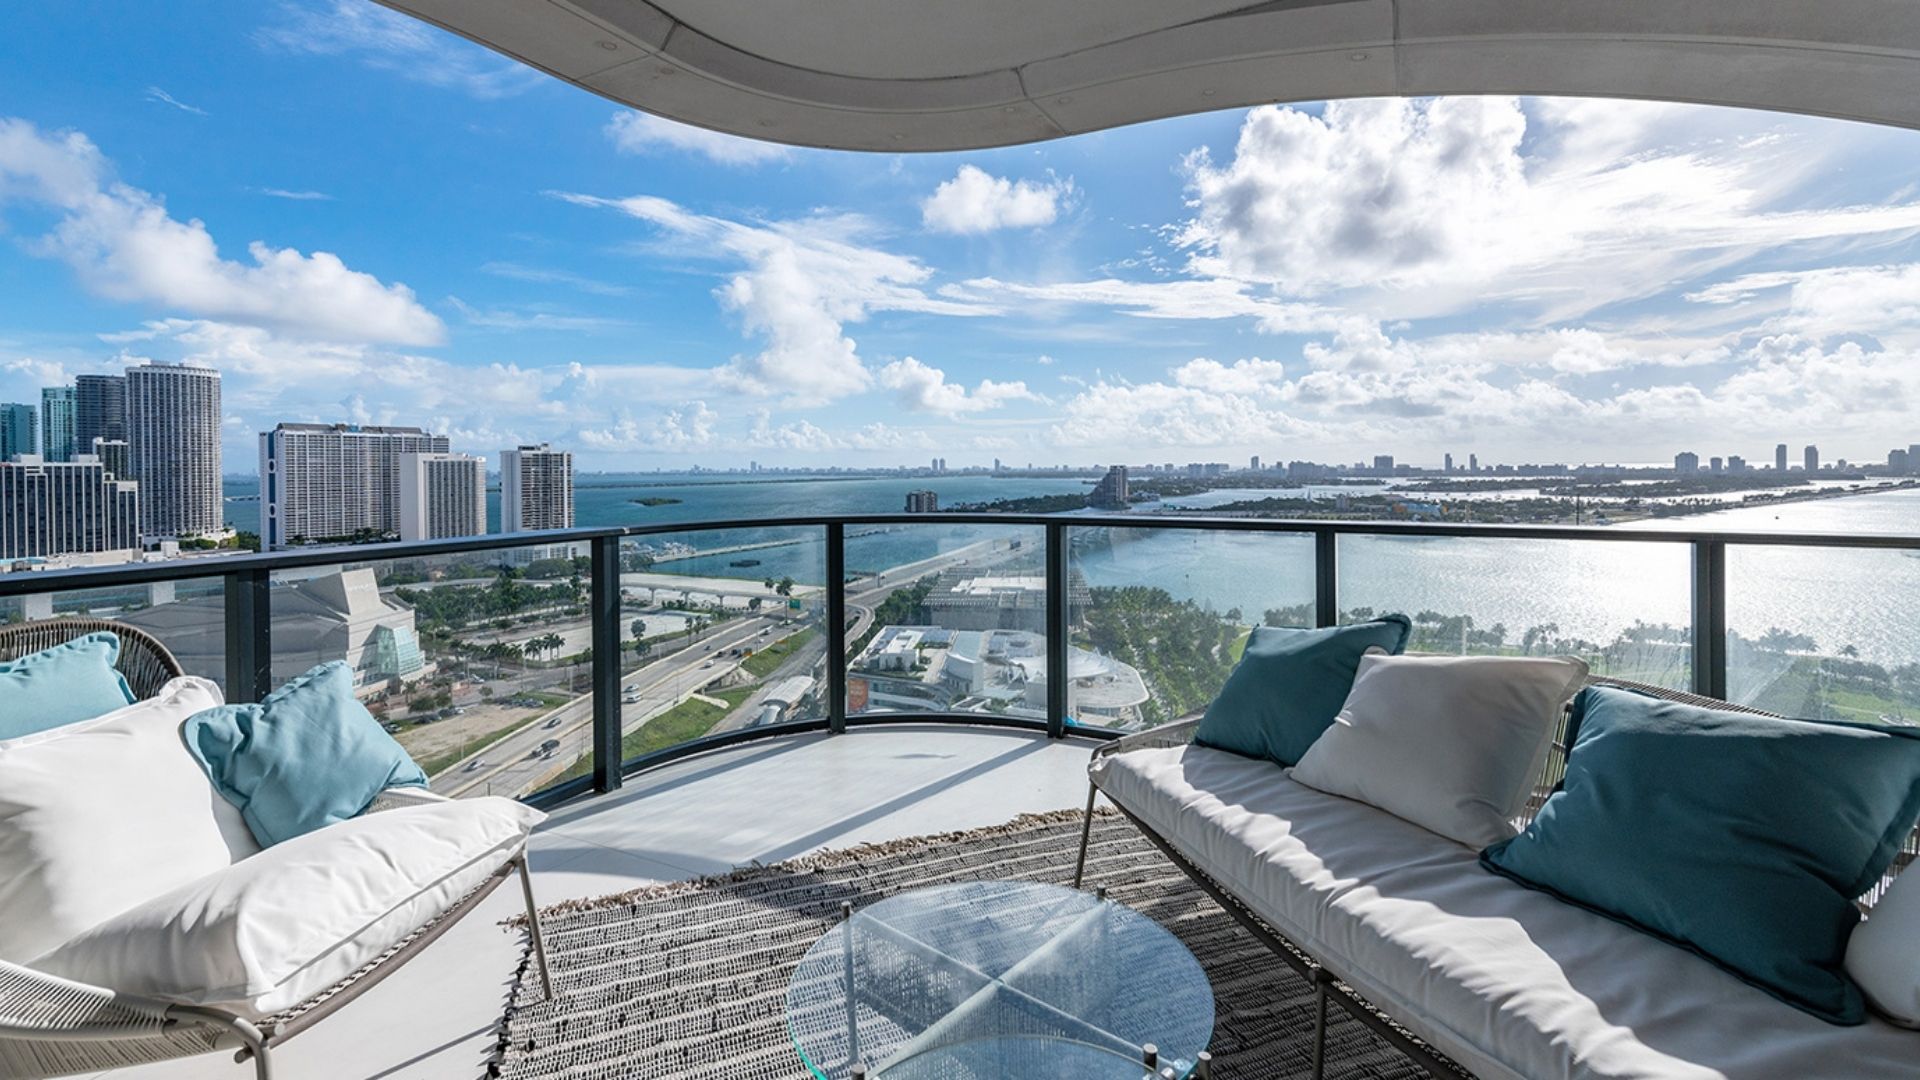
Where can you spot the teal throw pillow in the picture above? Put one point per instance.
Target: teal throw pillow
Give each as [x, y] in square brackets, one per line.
[63, 685]
[307, 756]
[1742, 838]
[1290, 685]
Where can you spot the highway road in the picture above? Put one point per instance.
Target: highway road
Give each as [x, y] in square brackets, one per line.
[514, 765]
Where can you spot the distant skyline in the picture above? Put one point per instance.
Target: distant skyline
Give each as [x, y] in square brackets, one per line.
[356, 217]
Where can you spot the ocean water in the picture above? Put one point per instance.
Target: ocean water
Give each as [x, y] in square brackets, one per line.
[1591, 590]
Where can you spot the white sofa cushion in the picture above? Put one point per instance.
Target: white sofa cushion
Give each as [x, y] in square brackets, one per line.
[1509, 982]
[1883, 955]
[102, 815]
[1450, 743]
[272, 930]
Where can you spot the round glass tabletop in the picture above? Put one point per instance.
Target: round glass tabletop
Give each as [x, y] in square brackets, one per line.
[1031, 968]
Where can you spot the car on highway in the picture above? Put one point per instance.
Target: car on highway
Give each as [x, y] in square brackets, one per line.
[706, 665]
[474, 764]
[545, 749]
[552, 722]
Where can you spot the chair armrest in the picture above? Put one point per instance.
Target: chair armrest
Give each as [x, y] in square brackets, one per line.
[1178, 733]
[395, 798]
[34, 1004]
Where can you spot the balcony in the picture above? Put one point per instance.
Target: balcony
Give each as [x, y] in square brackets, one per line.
[690, 699]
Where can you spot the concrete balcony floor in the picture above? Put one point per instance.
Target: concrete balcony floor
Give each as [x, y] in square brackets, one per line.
[763, 801]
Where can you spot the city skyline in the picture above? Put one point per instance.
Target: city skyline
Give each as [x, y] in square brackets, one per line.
[1210, 287]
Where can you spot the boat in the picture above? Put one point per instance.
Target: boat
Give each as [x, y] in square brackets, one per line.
[744, 562]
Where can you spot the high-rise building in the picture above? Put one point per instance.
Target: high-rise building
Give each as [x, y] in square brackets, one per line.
[442, 495]
[1716, 465]
[1473, 463]
[173, 436]
[1686, 462]
[99, 410]
[1736, 464]
[1447, 465]
[1253, 463]
[536, 489]
[1383, 463]
[115, 457]
[1913, 454]
[923, 502]
[50, 508]
[1780, 458]
[1111, 492]
[1811, 456]
[19, 429]
[56, 424]
[335, 482]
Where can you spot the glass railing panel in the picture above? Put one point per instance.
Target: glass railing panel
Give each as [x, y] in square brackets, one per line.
[1824, 633]
[1625, 607]
[1161, 615]
[480, 664]
[947, 619]
[188, 617]
[721, 632]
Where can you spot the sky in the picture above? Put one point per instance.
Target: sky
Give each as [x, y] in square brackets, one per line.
[359, 218]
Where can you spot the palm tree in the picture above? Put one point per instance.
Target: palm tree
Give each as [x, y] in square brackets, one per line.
[785, 588]
[639, 628]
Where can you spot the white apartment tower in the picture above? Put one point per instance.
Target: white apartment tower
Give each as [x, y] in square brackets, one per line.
[334, 482]
[50, 508]
[173, 439]
[536, 489]
[442, 495]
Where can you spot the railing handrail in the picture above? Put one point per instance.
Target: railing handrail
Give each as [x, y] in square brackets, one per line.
[91, 577]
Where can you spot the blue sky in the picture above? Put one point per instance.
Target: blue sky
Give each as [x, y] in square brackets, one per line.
[357, 217]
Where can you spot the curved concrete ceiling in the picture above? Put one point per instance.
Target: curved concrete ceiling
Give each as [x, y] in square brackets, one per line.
[898, 75]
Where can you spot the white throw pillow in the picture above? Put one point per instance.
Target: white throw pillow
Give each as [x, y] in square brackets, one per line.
[1883, 956]
[273, 930]
[105, 814]
[1450, 743]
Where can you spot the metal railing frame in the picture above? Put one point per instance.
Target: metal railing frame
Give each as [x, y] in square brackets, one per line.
[247, 593]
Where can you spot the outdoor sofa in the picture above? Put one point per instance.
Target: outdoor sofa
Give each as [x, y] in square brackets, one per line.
[1467, 972]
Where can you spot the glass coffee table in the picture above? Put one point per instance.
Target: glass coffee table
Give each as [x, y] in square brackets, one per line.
[1002, 979]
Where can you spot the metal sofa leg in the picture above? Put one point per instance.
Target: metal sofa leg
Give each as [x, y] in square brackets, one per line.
[533, 928]
[1086, 837]
[1320, 980]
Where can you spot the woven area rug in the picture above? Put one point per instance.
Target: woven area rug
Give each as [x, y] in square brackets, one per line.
[688, 980]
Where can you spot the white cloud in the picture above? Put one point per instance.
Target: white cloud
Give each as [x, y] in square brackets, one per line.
[802, 281]
[640, 133]
[154, 93]
[1881, 300]
[405, 46]
[687, 427]
[296, 196]
[125, 246]
[532, 318]
[1192, 298]
[547, 276]
[1420, 208]
[925, 389]
[976, 201]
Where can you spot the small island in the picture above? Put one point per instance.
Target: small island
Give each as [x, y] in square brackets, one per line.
[654, 500]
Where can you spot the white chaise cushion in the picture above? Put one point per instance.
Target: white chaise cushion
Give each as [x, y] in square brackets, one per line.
[1509, 982]
[272, 930]
[102, 815]
[1450, 743]
[1883, 955]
